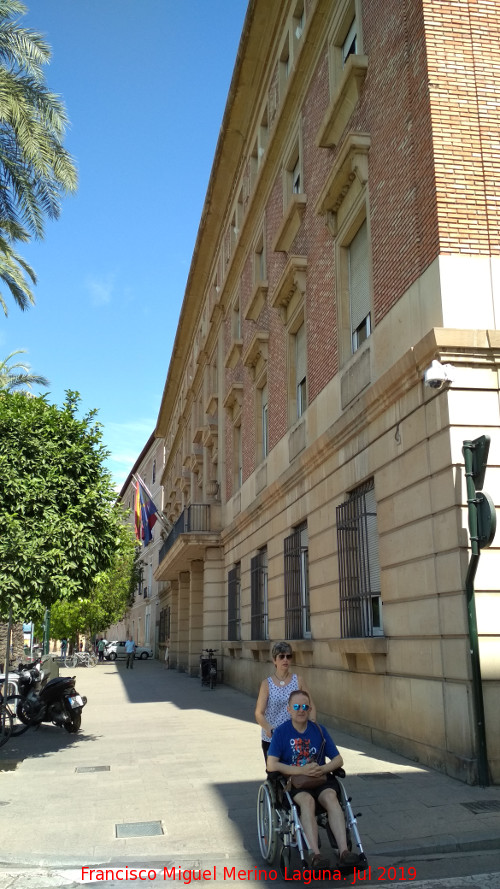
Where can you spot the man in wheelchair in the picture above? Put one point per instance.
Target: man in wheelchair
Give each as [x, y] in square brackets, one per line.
[297, 751]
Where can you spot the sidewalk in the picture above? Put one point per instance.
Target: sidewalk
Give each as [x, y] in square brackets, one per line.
[158, 750]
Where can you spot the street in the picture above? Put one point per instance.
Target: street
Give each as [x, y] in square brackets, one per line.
[164, 776]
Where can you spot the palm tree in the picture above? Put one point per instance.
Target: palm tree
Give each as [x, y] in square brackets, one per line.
[15, 377]
[13, 272]
[35, 168]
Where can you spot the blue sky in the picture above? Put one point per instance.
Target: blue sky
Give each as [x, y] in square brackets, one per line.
[145, 84]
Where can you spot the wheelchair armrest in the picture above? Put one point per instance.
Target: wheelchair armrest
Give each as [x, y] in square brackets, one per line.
[339, 773]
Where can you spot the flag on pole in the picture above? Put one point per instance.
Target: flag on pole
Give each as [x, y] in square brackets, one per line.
[146, 512]
[137, 511]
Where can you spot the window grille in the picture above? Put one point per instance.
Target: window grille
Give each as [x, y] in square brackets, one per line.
[258, 583]
[233, 604]
[297, 615]
[359, 566]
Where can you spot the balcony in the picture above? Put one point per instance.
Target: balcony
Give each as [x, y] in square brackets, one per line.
[192, 533]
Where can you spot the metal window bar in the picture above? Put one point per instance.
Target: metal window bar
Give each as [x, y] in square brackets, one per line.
[357, 578]
[296, 587]
[233, 604]
[258, 588]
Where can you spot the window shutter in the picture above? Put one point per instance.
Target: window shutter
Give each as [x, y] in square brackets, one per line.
[359, 278]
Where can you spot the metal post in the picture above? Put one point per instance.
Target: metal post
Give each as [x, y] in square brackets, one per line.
[46, 631]
[6, 669]
[477, 686]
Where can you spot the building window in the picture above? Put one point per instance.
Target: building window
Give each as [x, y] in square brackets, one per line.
[259, 263]
[233, 604]
[293, 173]
[153, 472]
[238, 456]
[284, 65]
[298, 21]
[297, 613]
[359, 287]
[359, 565]
[262, 437]
[300, 369]
[350, 42]
[164, 628]
[258, 581]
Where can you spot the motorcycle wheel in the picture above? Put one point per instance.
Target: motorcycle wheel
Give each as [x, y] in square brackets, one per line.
[20, 722]
[76, 721]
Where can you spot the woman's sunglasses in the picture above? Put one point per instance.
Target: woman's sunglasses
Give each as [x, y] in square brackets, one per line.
[301, 706]
[283, 656]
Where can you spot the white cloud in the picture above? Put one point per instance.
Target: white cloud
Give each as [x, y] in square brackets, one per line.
[101, 289]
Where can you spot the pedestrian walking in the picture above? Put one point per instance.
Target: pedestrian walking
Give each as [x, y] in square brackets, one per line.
[101, 645]
[130, 652]
[64, 648]
[167, 655]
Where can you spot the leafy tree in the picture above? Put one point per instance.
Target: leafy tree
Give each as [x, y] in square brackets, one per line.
[110, 597]
[17, 376]
[60, 525]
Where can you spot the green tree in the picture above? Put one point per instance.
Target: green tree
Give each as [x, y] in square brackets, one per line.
[110, 597]
[35, 168]
[18, 376]
[60, 525]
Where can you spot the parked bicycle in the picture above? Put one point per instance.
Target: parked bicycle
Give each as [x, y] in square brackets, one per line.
[208, 667]
[81, 659]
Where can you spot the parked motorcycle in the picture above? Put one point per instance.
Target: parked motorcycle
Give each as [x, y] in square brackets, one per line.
[57, 702]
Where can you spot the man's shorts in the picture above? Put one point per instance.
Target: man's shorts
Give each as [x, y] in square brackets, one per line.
[331, 781]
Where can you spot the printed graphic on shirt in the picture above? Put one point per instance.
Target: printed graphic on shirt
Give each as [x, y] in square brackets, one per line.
[302, 751]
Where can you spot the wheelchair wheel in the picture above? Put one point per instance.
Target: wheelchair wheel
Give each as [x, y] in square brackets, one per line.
[267, 823]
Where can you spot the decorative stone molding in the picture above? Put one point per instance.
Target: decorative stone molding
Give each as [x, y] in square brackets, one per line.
[212, 404]
[234, 354]
[292, 280]
[367, 655]
[290, 224]
[257, 350]
[257, 301]
[343, 102]
[351, 163]
[234, 398]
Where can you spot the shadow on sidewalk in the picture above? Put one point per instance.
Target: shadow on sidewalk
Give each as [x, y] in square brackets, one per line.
[149, 682]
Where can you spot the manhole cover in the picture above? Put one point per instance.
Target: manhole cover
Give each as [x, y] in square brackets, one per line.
[377, 776]
[491, 805]
[81, 769]
[139, 829]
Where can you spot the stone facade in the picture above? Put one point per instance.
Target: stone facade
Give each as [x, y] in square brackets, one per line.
[315, 486]
[142, 618]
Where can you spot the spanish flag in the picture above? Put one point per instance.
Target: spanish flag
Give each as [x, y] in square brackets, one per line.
[146, 514]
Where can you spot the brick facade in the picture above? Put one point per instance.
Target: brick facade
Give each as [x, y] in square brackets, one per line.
[401, 135]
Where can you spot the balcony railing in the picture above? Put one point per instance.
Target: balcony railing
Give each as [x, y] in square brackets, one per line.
[193, 519]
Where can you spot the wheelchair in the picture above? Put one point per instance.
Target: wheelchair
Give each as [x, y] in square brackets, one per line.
[280, 831]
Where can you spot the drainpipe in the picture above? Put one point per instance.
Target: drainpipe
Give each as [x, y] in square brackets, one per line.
[477, 686]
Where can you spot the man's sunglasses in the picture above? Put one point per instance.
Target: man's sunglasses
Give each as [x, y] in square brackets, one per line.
[301, 706]
[283, 656]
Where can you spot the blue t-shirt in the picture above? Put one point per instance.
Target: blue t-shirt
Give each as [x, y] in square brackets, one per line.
[296, 748]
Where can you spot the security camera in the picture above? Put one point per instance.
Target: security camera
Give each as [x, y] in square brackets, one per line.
[438, 374]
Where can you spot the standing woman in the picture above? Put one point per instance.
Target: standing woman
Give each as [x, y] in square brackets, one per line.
[271, 709]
